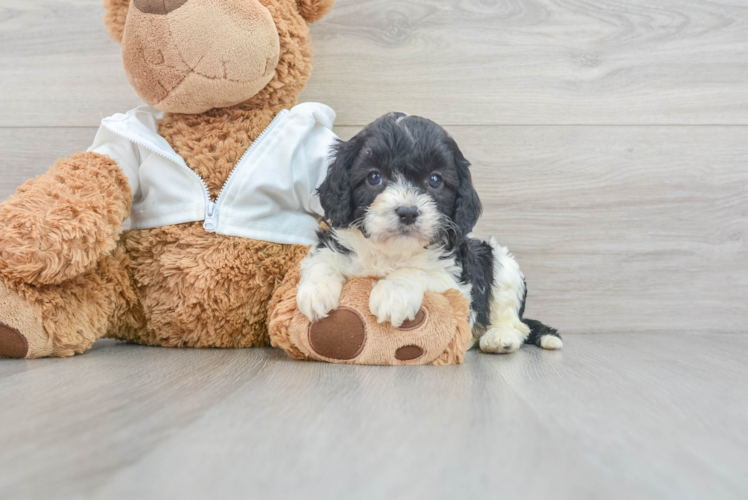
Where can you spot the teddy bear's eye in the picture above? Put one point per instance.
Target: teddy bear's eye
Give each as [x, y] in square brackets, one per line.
[375, 178]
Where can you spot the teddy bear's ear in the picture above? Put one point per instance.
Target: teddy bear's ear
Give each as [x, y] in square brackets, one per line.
[314, 10]
[115, 17]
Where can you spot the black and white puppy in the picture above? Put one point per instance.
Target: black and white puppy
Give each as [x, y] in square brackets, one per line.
[401, 205]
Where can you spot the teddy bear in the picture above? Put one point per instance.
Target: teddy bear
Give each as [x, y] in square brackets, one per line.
[184, 223]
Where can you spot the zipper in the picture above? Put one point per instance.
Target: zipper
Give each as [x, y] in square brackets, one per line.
[213, 224]
[211, 217]
[212, 209]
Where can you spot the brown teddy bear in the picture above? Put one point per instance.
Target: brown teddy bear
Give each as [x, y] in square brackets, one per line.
[180, 222]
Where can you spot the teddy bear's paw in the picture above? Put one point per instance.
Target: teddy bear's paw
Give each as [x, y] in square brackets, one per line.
[394, 302]
[317, 298]
[21, 332]
[500, 341]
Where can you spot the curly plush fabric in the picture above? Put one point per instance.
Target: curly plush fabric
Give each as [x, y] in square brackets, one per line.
[212, 143]
[281, 311]
[115, 16]
[59, 225]
[200, 289]
[314, 10]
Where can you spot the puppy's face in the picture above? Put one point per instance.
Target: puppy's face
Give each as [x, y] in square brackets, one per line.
[403, 179]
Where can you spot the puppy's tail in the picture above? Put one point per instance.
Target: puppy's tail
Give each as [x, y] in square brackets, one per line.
[543, 335]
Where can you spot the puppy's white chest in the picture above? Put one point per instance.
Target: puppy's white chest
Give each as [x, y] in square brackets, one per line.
[372, 263]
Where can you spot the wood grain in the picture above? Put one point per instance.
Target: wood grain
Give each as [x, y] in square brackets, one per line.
[612, 416]
[617, 229]
[464, 62]
[460, 62]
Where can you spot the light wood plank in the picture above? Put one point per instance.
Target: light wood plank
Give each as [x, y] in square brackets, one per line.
[457, 61]
[616, 228]
[611, 416]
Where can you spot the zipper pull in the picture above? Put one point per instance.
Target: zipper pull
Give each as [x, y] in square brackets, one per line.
[211, 217]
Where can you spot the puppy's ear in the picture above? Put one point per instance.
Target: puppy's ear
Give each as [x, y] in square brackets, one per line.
[467, 204]
[314, 10]
[335, 192]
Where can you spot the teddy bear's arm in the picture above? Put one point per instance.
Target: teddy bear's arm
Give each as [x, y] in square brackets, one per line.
[60, 224]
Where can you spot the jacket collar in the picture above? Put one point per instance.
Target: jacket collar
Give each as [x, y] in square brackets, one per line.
[140, 126]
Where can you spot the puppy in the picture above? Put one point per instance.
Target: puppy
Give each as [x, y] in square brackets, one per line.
[401, 205]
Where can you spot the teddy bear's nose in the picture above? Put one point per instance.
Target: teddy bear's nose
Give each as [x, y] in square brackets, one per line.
[160, 7]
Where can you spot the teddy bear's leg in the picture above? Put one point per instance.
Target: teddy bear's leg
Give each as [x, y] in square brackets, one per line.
[66, 319]
[59, 261]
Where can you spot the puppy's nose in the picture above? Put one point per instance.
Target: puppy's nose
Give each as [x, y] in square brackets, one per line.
[408, 215]
[159, 7]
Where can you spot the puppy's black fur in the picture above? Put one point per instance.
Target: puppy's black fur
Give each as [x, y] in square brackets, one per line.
[475, 257]
[416, 152]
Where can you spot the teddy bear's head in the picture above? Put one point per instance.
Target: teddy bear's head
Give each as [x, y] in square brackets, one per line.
[189, 56]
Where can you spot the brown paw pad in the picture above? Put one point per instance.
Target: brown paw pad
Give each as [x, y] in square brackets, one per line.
[12, 343]
[412, 324]
[341, 335]
[408, 353]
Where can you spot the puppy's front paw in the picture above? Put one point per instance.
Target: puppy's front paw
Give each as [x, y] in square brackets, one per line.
[500, 341]
[317, 298]
[394, 302]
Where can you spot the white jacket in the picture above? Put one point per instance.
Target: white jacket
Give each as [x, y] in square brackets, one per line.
[270, 195]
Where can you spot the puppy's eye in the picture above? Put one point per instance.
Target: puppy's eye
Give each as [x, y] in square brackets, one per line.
[435, 181]
[375, 178]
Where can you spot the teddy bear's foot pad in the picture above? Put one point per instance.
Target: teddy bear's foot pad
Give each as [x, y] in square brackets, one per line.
[408, 353]
[341, 335]
[12, 343]
[22, 334]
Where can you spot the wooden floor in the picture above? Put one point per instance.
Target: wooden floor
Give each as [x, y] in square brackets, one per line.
[613, 416]
[609, 142]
